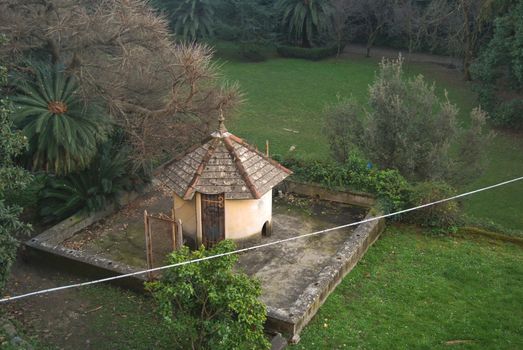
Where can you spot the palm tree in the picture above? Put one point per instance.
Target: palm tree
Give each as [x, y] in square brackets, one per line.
[190, 19]
[62, 130]
[303, 18]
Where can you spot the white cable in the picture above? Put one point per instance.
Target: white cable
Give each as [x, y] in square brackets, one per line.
[50, 290]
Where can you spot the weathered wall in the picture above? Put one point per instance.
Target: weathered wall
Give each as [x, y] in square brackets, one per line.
[316, 191]
[244, 218]
[186, 211]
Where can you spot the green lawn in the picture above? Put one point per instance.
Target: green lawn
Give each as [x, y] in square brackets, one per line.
[412, 290]
[416, 291]
[286, 97]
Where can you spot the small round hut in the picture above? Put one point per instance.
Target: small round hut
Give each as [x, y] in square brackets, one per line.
[222, 189]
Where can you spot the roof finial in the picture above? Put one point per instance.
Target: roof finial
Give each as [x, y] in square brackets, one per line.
[221, 126]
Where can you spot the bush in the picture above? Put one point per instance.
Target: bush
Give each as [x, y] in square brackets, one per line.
[441, 217]
[12, 179]
[343, 128]
[391, 189]
[9, 226]
[253, 52]
[314, 54]
[508, 115]
[209, 306]
[90, 190]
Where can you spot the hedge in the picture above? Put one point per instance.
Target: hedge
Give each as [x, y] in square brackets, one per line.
[316, 53]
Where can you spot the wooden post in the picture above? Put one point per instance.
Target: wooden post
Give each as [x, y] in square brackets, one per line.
[148, 243]
[199, 238]
[173, 230]
[179, 234]
[267, 148]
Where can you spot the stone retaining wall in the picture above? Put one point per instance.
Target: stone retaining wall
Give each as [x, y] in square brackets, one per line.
[316, 293]
[361, 199]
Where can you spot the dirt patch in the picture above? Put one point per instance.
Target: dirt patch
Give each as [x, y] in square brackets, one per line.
[56, 318]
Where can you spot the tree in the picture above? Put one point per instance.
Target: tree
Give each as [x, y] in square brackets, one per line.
[246, 20]
[499, 70]
[63, 132]
[12, 178]
[408, 128]
[342, 32]
[303, 19]
[164, 95]
[190, 19]
[424, 24]
[207, 305]
[370, 18]
[343, 128]
[469, 23]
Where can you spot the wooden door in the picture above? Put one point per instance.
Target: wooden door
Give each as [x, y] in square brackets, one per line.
[213, 219]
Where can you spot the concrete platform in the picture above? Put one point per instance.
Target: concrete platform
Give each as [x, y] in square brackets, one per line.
[296, 276]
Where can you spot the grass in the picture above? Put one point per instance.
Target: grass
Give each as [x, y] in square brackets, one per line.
[413, 290]
[286, 97]
[125, 321]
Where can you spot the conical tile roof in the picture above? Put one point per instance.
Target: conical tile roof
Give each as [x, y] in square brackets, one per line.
[223, 163]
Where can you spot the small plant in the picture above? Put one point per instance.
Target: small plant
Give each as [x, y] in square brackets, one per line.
[208, 305]
[63, 132]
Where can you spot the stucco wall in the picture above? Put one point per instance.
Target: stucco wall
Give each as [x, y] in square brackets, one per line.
[245, 217]
[186, 211]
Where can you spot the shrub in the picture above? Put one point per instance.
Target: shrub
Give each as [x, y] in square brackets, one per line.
[208, 305]
[441, 217]
[12, 179]
[89, 190]
[343, 128]
[253, 52]
[391, 189]
[9, 225]
[316, 53]
[508, 115]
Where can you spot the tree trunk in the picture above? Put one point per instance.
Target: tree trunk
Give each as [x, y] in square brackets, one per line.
[304, 38]
[467, 54]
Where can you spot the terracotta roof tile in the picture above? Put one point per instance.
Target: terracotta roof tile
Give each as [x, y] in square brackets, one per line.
[223, 163]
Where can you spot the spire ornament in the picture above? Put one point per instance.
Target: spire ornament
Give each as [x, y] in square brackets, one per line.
[221, 126]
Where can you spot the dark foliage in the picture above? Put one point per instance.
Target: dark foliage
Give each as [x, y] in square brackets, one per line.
[314, 54]
[90, 190]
